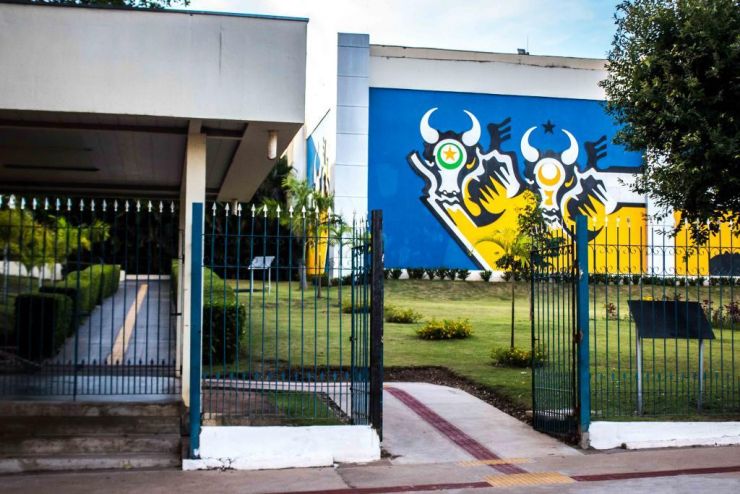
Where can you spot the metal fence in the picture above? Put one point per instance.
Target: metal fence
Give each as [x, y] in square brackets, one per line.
[553, 310]
[286, 317]
[85, 296]
[665, 322]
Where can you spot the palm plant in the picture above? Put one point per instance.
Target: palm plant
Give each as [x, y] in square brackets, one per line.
[515, 258]
[307, 217]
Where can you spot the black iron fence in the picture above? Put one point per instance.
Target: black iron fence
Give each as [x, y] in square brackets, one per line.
[85, 305]
[286, 316]
[665, 326]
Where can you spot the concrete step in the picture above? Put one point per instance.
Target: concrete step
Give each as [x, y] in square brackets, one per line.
[14, 446]
[35, 426]
[41, 463]
[84, 409]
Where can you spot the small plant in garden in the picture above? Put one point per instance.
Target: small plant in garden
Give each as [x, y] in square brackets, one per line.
[396, 273]
[733, 312]
[517, 357]
[386, 274]
[401, 315]
[431, 273]
[451, 273]
[415, 273]
[486, 275]
[728, 315]
[611, 311]
[440, 273]
[462, 274]
[348, 308]
[445, 330]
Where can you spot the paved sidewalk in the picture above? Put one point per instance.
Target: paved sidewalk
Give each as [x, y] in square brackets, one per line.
[440, 440]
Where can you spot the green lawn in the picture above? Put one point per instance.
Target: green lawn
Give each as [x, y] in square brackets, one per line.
[310, 327]
[297, 330]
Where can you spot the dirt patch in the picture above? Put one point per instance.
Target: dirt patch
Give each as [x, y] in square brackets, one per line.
[445, 377]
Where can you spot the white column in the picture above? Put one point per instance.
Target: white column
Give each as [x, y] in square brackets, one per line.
[193, 189]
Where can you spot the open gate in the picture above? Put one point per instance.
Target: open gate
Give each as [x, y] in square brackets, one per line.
[559, 334]
[291, 314]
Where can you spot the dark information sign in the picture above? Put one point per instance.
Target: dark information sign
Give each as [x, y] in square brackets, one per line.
[670, 319]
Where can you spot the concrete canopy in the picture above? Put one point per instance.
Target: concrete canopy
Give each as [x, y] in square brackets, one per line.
[101, 101]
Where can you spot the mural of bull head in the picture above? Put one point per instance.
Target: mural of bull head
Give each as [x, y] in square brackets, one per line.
[550, 173]
[451, 153]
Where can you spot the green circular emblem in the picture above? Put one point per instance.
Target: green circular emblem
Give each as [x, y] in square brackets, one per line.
[450, 155]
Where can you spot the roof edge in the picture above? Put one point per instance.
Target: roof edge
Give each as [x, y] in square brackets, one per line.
[156, 11]
[423, 53]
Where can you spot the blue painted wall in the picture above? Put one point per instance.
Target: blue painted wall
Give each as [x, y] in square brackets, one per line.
[413, 236]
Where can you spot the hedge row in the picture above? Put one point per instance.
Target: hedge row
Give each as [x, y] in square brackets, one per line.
[221, 317]
[44, 319]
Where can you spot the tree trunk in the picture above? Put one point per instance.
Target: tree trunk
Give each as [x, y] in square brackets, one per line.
[304, 282]
[513, 293]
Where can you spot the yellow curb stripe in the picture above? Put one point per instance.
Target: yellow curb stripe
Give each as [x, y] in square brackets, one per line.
[123, 338]
[528, 479]
[496, 461]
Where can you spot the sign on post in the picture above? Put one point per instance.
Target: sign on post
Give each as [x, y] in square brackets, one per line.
[669, 319]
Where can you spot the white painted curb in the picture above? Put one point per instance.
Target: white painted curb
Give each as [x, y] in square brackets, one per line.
[641, 435]
[257, 448]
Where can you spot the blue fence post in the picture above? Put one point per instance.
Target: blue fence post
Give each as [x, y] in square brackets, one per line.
[584, 375]
[196, 320]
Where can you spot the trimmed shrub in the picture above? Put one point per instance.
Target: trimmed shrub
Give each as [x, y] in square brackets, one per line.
[83, 287]
[396, 273]
[486, 275]
[386, 274]
[462, 274]
[415, 273]
[220, 331]
[221, 314]
[348, 308]
[445, 330]
[42, 322]
[517, 357]
[110, 276]
[401, 315]
[431, 273]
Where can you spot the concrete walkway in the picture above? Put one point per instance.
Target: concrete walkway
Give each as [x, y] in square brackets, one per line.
[131, 327]
[412, 435]
[441, 440]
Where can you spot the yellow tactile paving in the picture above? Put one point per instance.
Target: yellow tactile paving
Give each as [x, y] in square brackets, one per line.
[497, 461]
[127, 330]
[520, 479]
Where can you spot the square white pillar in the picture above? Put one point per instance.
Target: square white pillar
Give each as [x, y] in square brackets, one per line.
[193, 189]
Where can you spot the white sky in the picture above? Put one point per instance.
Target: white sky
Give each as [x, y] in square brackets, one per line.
[578, 28]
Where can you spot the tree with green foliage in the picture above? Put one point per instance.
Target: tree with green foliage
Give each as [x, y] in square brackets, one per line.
[138, 4]
[36, 242]
[674, 86]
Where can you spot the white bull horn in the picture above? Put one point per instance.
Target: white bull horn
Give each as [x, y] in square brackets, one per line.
[530, 153]
[427, 132]
[570, 155]
[471, 137]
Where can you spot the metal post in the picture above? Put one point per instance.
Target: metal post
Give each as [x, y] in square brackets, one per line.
[639, 375]
[584, 375]
[701, 375]
[376, 323]
[196, 320]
